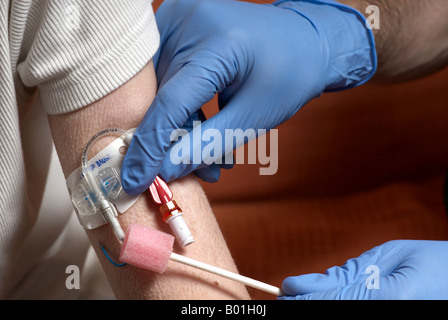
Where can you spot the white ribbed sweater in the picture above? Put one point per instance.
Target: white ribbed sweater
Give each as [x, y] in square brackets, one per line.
[74, 52]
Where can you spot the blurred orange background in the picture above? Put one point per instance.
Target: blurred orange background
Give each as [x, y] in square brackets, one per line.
[355, 169]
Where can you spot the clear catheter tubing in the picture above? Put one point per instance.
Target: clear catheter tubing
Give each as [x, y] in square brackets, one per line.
[106, 208]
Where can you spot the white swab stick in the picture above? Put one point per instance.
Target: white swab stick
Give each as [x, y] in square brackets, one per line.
[227, 274]
[152, 250]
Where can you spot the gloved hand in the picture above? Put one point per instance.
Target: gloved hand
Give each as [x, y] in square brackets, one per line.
[400, 269]
[265, 61]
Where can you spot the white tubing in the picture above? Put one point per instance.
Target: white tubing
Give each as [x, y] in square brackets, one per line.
[227, 274]
[108, 212]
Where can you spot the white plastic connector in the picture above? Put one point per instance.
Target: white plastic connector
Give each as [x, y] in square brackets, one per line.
[180, 229]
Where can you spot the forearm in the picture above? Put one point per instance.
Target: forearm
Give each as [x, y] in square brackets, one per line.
[412, 40]
[125, 108]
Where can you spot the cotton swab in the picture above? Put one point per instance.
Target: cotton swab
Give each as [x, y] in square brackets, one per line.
[152, 249]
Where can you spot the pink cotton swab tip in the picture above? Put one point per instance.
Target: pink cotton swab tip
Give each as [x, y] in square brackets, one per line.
[152, 249]
[147, 248]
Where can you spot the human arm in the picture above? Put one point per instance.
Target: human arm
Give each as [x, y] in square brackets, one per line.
[71, 131]
[412, 39]
[91, 63]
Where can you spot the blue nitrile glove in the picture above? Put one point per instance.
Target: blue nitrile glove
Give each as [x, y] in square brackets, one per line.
[265, 61]
[399, 269]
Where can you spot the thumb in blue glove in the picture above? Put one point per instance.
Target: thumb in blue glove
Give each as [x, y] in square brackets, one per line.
[400, 269]
[265, 61]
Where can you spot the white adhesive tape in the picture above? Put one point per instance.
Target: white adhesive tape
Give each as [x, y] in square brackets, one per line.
[106, 166]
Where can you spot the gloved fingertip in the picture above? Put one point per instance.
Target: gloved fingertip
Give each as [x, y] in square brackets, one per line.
[306, 283]
[132, 188]
[209, 174]
[289, 286]
[169, 172]
[131, 180]
[227, 166]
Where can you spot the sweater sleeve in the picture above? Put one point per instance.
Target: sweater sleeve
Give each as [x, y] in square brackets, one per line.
[79, 51]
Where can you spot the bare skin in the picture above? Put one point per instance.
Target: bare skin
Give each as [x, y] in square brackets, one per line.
[71, 132]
